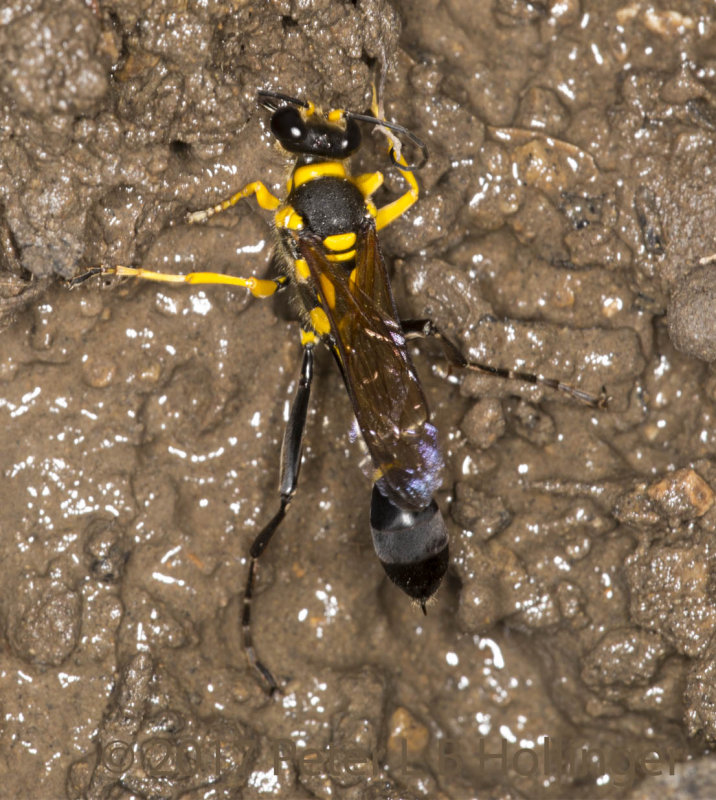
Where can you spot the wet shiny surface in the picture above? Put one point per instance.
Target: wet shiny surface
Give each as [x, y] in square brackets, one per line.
[563, 206]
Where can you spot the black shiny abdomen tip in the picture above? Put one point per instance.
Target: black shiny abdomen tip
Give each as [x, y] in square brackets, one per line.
[419, 579]
[412, 545]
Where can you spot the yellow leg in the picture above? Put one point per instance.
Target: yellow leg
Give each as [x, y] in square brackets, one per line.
[390, 212]
[258, 287]
[263, 197]
[368, 183]
[308, 337]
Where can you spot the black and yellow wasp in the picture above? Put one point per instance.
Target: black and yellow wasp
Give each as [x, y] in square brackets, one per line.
[328, 250]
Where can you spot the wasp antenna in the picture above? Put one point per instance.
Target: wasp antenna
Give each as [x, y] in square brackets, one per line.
[391, 126]
[416, 142]
[269, 100]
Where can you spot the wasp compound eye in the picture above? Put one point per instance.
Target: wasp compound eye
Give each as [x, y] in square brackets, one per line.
[288, 127]
[412, 545]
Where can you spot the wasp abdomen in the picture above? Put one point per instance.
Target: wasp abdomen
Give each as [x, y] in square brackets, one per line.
[412, 546]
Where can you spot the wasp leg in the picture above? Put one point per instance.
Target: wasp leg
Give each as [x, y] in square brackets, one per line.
[369, 183]
[423, 328]
[390, 212]
[263, 197]
[78, 279]
[259, 287]
[290, 466]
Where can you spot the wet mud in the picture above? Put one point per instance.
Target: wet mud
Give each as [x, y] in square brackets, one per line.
[565, 227]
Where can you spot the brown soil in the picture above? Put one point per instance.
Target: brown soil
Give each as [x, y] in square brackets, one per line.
[566, 226]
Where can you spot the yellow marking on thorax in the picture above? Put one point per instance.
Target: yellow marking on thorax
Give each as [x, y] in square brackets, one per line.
[347, 256]
[302, 271]
[309, 172]
[319, 321]
[340, 241]
[328, 290]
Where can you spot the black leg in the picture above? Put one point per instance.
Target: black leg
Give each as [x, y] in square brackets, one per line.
[422, 328]
[290, 466]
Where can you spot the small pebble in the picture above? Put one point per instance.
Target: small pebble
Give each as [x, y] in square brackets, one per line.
[682, 495]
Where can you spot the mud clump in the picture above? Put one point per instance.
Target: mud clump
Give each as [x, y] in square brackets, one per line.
[691, 319]
[43, 624]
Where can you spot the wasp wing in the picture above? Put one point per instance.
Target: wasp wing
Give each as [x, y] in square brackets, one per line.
[387, 398]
